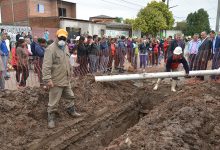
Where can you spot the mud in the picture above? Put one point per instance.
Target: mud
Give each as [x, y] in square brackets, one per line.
[116, 115]
[23, 117]
[187, 120]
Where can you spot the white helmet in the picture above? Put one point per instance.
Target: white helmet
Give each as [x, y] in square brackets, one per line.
[178, 50]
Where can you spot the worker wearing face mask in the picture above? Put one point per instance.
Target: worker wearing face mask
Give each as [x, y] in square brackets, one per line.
[56, 75]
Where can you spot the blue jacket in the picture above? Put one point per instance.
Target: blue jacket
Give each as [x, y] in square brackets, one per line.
[33, 48]
[39, 51]
[3, 48]
[216, 44]
[104, 45]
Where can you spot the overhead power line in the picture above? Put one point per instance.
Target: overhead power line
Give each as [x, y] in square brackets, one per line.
[117, 4]
[132, 3]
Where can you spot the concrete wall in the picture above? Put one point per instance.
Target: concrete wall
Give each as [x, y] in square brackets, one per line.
[114, 33]
[89, 27]
[136, 34]
[13, 30]
[171, 33]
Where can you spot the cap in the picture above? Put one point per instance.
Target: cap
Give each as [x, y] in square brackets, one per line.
[62, 32]
[178, 50]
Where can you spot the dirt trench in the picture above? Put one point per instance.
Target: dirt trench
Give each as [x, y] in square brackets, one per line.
[97, 131]
[116, 116]
[108, 110]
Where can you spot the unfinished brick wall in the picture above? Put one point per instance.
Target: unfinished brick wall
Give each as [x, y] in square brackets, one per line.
[16, 7]
[50, 8]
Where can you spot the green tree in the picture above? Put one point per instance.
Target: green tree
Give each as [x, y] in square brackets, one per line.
[153, 18]
[150, 20]
[197, 22]
[129, 21]
[181, 26]
[119, 19]
[167, 14]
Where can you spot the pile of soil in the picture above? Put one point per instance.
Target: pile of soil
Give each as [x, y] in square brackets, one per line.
[23, 113]
[189, 119]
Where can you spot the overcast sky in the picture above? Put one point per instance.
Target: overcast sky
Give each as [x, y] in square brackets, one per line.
[130, 8]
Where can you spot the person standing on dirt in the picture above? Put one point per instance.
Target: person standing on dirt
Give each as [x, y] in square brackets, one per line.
[22, 63]
[57, 75]
[204, 55]
[4, 51]
[193, 47]
[172, 64]
[40, 50]
[120, 53]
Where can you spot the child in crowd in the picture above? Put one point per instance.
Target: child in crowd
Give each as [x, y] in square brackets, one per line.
[73, 62]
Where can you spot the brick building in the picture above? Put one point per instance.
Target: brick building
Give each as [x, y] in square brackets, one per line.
[37, 14]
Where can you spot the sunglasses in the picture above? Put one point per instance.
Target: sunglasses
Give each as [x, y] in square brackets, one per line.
[62, 38]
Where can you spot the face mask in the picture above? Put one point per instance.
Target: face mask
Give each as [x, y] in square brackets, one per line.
[61, 44]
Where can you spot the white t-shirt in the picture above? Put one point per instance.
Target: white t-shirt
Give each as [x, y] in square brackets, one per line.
[7, 44]
[73, 62]
[29, 49]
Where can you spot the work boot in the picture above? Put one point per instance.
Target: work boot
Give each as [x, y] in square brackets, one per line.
[157, 85]
[51, 120]
[72, 112]
[173, 85]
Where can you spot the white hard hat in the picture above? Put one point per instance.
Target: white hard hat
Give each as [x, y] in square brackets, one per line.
[77, 38]
[178, 50]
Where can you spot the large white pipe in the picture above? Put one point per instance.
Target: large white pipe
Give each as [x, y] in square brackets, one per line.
[154, 75]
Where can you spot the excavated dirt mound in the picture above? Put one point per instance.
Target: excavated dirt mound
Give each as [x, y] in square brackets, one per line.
[189, 119]
[23, 116]
[116, 115]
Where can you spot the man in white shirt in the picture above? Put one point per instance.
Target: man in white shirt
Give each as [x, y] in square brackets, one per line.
[193, 49]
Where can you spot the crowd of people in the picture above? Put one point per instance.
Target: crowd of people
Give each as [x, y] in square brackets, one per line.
[101, 55]
[56, 62]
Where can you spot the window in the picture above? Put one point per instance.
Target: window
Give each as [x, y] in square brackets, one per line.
[40, 8]
[62, 12]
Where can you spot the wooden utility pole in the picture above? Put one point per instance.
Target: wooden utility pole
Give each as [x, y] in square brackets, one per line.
[217, 18]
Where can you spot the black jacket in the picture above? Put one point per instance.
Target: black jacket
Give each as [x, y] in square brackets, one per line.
[206, 45]
[175, 63]
[82, 50]
[174, 44]
[93, 49]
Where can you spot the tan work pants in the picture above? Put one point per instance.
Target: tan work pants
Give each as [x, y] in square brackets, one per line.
[55, 94]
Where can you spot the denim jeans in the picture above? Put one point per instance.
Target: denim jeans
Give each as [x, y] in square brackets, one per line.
[5, 62]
